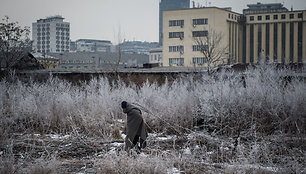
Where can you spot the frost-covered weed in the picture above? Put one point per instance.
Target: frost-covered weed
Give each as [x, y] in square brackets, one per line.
[261, 99]
[124, 163]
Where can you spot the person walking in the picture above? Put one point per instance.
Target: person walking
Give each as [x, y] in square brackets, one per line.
[136, 133]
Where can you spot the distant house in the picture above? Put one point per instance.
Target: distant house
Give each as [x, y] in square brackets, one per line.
[47, 61]
[27, 62]
[92, 45]
[156, 56]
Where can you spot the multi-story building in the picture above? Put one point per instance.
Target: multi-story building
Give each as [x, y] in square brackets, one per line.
[273, 34]
[265, 32]
[169, 5]
[91, 45]
[51, 35]
[181, 27]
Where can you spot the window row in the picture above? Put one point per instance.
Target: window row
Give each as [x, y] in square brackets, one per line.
[63, 29]
[179, 48]
[176, 23]
[43, 25]
[201, 48]
[176, 61]
[58, 33]
[276, 16]
[38, 46]
[43, 29]
[57, 46]
[176, 35]
[63, 38]
[62, 25]
[43, 42]
[200, 21]
[199, 60]
[43, 38]
[180, 35]
[200, 33]
[195, 60]
[48, 33]
[232, 16]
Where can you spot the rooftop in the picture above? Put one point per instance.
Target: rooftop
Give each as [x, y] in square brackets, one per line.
[264, 8]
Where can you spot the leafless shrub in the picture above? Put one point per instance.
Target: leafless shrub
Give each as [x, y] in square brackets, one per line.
[135, 164]
[227, 103]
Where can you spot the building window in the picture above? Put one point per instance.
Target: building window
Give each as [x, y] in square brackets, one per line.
[283, 16]
[179, 48]
[199, 21]
[199, 33]
[173, 23]
[251, 18]
[300, 15]
[201, 48]
[229, 15]
[199, 60]
[259, 18]
[291, 16]
[176, 61]
[176, 35]
[275, 16]
[267, 17]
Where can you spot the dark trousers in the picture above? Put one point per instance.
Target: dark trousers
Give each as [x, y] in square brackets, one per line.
[142, 142]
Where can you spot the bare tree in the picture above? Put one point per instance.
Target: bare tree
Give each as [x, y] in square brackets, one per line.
[14, 41]
[120, 41]
[209, 43]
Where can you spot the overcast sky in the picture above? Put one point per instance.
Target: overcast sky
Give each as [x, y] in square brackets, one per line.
[101, 19]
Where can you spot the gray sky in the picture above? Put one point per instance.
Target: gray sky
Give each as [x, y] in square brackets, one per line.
[101, 19]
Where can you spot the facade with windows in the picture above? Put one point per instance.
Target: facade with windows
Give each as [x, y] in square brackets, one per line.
[51, 35]
[170, 5]
[179, 46]
[91, 45]
[277, 35]
[156, 56]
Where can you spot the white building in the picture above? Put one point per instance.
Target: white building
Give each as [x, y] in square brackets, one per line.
[91, 45]
[51, 35]
[156, 56]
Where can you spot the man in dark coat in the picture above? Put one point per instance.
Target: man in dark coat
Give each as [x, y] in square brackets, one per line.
[136, 128]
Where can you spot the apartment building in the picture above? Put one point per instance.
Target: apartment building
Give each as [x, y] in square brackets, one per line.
[181, 27]
[273, 33]
[51, 34]
[268, 32]
[169, 5]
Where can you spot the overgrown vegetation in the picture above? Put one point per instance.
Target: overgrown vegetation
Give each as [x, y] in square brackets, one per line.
[254, 117]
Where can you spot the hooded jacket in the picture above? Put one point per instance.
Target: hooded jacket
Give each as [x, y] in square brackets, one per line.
[135, 125]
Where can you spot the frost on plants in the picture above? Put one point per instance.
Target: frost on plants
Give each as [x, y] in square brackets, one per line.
[256, 117]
